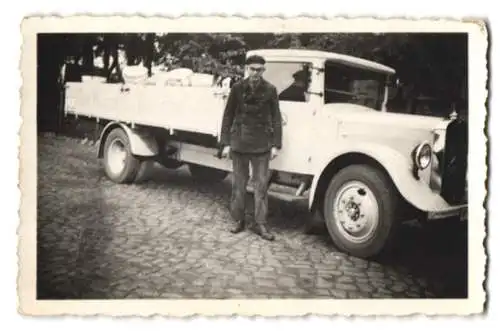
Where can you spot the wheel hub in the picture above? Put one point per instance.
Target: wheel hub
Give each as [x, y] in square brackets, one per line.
[116, 157]
[353, 210]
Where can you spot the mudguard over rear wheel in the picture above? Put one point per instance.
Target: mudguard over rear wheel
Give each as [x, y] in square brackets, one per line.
[360, 211]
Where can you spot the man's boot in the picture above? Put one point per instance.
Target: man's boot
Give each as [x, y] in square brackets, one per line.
[264, 232]
[238, 227]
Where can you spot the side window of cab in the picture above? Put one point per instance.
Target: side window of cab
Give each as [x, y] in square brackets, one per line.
[348, 84]
[291, 80]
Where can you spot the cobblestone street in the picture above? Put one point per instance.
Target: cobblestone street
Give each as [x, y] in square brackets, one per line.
[168, 238]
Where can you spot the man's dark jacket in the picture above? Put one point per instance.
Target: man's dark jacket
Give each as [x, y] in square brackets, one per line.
[252, 118]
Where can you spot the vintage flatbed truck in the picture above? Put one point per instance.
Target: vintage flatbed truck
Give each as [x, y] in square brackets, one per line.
[362, 169]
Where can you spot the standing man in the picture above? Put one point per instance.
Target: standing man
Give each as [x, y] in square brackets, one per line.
[251, 134]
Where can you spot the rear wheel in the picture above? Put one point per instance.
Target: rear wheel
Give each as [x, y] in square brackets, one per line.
[360, 210]
[207, 174]
[120, 165]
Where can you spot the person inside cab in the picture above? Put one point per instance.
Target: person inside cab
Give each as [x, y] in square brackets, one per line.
[297, 90]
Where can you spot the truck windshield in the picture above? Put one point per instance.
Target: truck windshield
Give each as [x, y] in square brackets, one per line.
[291, 79]
[345, 84]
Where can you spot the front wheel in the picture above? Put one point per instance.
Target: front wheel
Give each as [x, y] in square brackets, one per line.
[360, 210]
[120, 165]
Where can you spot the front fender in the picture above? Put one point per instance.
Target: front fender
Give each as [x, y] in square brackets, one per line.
[141, 143]
[416, 192]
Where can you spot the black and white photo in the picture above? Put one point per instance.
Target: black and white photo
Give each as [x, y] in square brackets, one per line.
[222, 165]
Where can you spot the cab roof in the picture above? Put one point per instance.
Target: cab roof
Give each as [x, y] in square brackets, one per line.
[304, 54]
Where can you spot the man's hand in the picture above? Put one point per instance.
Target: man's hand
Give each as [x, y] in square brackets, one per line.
[225, 151]
[274, 153]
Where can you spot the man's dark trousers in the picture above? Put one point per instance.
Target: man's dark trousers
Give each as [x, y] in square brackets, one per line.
[260, 170]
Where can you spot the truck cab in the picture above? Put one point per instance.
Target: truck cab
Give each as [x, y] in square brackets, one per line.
[308, 83]
[364, 169]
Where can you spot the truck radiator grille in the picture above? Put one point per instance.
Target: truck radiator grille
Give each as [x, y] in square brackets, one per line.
[454, 163]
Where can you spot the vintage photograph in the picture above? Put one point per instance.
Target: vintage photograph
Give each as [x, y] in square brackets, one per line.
[265, 165]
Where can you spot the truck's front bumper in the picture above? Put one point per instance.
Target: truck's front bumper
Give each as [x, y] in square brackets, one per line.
[460, 211]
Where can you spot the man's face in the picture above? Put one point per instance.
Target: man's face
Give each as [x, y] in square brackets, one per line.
[255, 71]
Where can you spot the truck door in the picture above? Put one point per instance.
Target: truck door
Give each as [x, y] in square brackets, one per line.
[292, 80]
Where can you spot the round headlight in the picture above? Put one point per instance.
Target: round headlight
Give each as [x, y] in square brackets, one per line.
[423, 155]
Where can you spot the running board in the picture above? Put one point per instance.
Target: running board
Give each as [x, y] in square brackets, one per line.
[285, 194]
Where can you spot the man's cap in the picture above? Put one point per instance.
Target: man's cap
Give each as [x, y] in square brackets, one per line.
[257, 59]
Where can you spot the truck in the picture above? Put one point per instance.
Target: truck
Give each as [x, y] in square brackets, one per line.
[362, 169]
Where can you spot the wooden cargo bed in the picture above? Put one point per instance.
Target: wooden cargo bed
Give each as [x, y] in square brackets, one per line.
[196, 110]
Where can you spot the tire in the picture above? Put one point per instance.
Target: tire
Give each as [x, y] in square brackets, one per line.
[372, 216]
[120, 165]
[207, 174]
